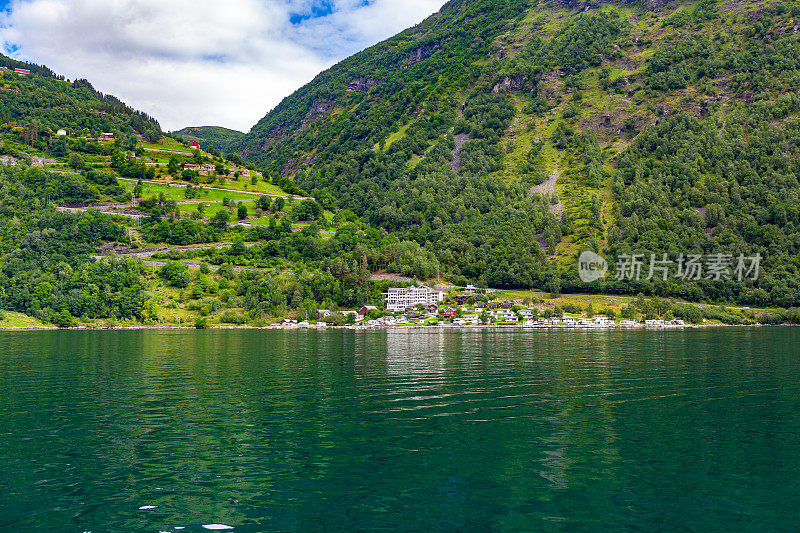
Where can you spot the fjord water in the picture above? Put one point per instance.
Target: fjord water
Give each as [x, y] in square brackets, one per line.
[400, 430]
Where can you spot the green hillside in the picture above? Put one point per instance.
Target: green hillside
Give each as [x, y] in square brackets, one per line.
[507, 136]
[82, 174]
[47, 102]
[491, 144]
[210, 137]
[46, 268]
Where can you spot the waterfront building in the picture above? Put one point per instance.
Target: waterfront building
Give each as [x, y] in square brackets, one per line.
[365, 309]
[402, 298]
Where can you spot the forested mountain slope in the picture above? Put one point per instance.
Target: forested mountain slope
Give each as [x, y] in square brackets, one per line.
[507, 136]
[46, 264]
[210, 137]
[51, 102]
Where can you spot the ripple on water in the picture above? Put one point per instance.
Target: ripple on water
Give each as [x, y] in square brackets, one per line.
[343, 431]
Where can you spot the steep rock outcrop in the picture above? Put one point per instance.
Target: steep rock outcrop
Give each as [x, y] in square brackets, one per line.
[583, 5]
[361, 85]
[320, 108]
[418, 55]
[515, 83]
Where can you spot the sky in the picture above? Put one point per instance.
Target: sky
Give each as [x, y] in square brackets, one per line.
[200, 62]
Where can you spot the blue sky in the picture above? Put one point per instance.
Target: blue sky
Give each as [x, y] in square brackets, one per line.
[200, 62]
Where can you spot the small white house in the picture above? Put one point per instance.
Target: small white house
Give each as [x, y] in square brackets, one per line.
[505, 315]
[61, 133]
[602, 321]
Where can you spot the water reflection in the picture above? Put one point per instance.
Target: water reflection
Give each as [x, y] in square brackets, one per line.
[475, 430]
[410, 352]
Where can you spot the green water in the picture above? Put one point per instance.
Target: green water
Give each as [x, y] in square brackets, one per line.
[400, 431]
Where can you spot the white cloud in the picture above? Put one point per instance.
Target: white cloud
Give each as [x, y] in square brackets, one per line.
[199, 62]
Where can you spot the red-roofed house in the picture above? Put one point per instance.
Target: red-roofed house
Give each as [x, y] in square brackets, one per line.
[195, 146]
[22, 71]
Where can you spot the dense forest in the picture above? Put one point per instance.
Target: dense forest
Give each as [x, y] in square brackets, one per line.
[670, 128]
[47, 269]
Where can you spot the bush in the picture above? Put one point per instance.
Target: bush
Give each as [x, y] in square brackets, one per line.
[688, 313]
[175, 273]
[781, 316]
[189, 175]
[610, 313]
[76, 162]
[230, 317]
[724, 315]
[336, 319]
[65, 320]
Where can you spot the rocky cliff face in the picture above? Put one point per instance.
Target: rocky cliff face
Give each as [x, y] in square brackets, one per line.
[514, 83]
[583, 5]
[652, 5]
[362, 85]
[319, 109]
[420, 54]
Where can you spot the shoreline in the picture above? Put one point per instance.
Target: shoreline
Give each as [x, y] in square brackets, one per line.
[387, 328]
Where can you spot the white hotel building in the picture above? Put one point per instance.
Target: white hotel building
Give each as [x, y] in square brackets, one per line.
[401, 298]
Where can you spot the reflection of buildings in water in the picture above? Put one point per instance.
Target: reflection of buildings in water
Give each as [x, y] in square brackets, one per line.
[414, 352]
[588, 378]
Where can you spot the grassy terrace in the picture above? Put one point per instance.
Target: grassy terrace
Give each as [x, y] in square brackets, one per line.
[179, 193]
[153, 154]
[19, 320]
[243, 184]
[235, 188]
[166, 144]
[214, 208]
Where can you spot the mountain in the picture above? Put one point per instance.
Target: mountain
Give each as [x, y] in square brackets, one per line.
[56, 103]
[491, 144]
[46, 264]
[507, 136]
[215, 137]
